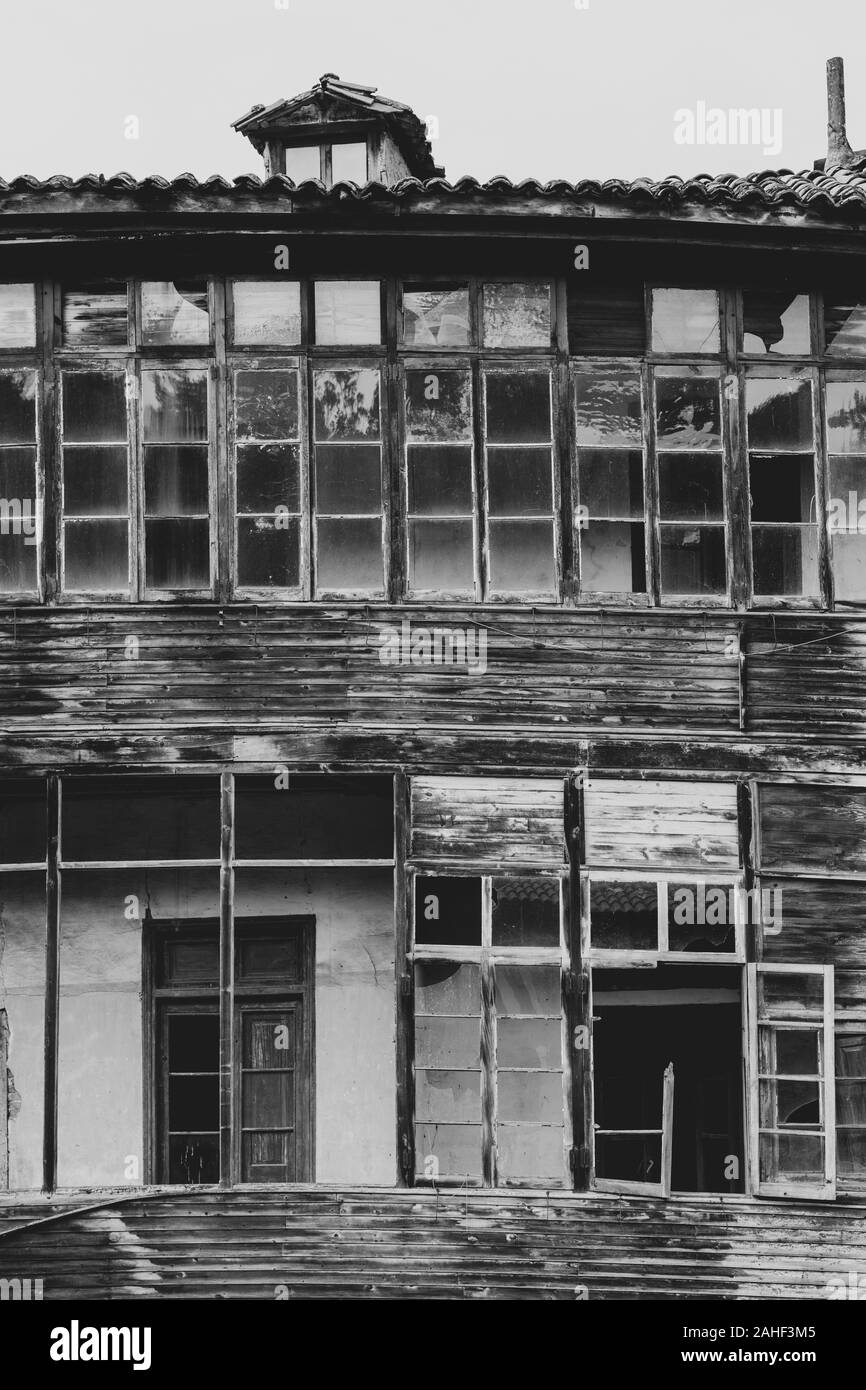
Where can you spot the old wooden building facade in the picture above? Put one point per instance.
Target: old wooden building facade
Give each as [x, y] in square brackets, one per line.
[432, 724]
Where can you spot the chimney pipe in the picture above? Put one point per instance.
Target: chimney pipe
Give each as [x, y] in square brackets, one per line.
[839, 152]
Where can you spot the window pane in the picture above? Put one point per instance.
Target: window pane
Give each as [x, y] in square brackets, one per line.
[784, 995]
[448, 1151]
[611, 483]
[519, 482]
[779, 413]
[440, 479]
[17, 316]
[521, 557]
[447, 1096]
[302, 163]
[605, 320]
[266, 405]
[613, 557]
[845, 326]
[348, 479]
[518, 407]
[789, 1051]
[266, 311]
[690, 487]
[95, 317]
[685, 321]
[443, 987]
[846, 417]
[608, 410]
[349, 163]
[687, 412]
[782, 487]
[775, 321]
[349, 556]
[529, 1096]
[348, 311]
[95, 480]
[18, 476]
[347, 404]
[94, 407]
[17, 407]
[436, 317]
[438, 405]
[447, 911]
[174, 312]
[96, 555]
[701, 917]
[692, 560]
[441, 556]
[20, 520]
[849, 568]
[175, 405]
[516, 315]
[785, 560]
[447, 1042]
[525, 912]
[175, 480]
[528, 991]
[268, 477]
[268, 552]
[530, 1042]
[178, 554]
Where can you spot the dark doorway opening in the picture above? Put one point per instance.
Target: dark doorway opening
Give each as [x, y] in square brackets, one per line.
[644, 1019]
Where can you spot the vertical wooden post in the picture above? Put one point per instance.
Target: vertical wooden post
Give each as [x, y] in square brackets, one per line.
[403, 985]
[576, 1000]
[4, 1102]
[227, 846]
[52, 984]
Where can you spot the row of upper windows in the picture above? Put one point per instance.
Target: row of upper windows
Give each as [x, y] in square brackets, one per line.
[492, 315]
[139, 474]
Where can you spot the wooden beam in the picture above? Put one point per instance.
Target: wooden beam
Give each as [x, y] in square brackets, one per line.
[226, 1095]
[404, 986]
[52, 984]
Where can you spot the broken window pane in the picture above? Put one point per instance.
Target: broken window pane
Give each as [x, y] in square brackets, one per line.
[845, 325]
[17, 316]
[348, 311]
[687, 412]
[525, 912]
[789, 1051]
[624, 916]
[775, 321]
[447, 911]
[303, 162]
[174, 312]
[349, 162]
[95, 317]
[516, 315]
[266, 312]
[437, 316]
[701, 917]
[605, 320]
[444, 987]
[786, 1103]
[685, 321]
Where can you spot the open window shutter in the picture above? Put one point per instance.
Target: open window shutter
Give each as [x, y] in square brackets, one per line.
[792, 1081]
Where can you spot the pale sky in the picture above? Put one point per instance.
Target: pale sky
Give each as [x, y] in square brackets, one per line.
[519, 87]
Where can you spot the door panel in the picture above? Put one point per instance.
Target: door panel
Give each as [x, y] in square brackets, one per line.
[189, 1086]
[269, 1091]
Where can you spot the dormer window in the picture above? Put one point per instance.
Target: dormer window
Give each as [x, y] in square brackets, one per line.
[332, 163]
[303, 162]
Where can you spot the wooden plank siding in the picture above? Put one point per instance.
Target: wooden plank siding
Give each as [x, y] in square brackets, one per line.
[359, 1243]
[653, 824]
[813, 828]
[488, 823]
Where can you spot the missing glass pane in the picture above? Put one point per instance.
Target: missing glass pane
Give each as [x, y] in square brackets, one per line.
[624, 916]
[437, 316]
[447, 911]
[174, 312]
[775, 321]
[525, 912]
[782, 487]
[691, 487]
[685, 321]
[316, 817]
[266, 312]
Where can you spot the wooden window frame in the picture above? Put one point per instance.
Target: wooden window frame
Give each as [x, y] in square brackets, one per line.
[488, 956]
[12, 361]
[616, 958]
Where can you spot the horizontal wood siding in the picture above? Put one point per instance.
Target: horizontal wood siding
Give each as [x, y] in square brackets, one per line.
[489, 822]
[680, 825]
[816, 921]
[813, 828]
[806, 675]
